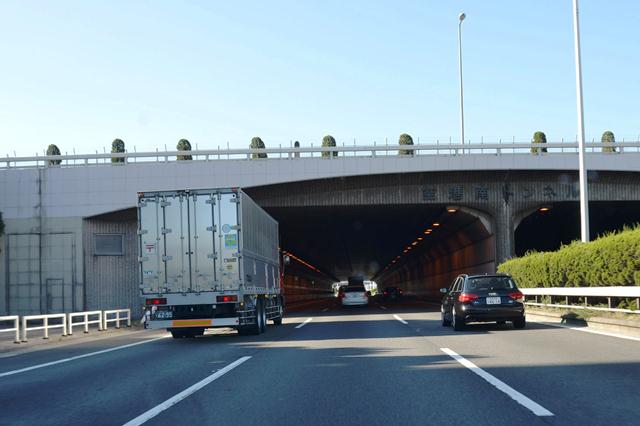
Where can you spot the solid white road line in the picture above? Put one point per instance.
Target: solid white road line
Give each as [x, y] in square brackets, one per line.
[304, 323]
[73, 358]
[400, 319]
[142, 418]
[534, 407]
[586, 330]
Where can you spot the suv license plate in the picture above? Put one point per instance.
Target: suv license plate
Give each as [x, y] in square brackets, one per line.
[493, 300]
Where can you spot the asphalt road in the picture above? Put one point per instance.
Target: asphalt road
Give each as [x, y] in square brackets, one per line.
[368, 366]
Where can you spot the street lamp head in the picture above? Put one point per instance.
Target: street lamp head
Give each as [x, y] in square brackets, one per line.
[462, 16]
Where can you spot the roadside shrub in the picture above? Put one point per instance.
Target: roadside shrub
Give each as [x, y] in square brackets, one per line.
[539, 138]
[53, 150]
[256, 143]
[612, 260]
[329, 140]
[405, 139]
[608, 137]
[1, 225]
[117, 146]
[183, 145]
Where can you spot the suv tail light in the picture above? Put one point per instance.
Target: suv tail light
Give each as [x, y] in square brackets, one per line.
[516, 295]
[227, 298]
[467, 297]
[156, 301]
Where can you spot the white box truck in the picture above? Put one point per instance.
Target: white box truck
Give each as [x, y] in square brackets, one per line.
[208, 258]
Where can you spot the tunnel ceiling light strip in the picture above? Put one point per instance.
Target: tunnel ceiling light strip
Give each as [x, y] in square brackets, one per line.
[452, 210]
[308, 265]
[436, 224]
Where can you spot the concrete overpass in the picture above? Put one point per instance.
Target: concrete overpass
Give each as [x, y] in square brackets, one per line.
[360, 211]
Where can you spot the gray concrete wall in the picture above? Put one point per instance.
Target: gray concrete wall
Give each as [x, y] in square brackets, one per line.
[80, 191]
[112, 280]
[42, 268]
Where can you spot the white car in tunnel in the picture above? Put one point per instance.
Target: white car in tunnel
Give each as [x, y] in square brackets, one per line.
[354, 295]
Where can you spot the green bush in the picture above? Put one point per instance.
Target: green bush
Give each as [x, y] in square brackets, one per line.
[612, 260]
[539, 138]
[329, 141]
[117, 146]
[53, 150]
[608, 137]
[183, 145]
[256, 143]
[1, 225]
[405, 139]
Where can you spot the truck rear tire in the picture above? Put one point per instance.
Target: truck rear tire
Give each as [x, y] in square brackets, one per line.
[261, 311]
[278, 319]
[258, 326]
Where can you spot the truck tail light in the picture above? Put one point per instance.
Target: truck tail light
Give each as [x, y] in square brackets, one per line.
[156, 301]
[227, 298]
[516, 295]
[467, 297]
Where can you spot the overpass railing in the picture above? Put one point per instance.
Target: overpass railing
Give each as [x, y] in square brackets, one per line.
[327, 153]
[591, 298]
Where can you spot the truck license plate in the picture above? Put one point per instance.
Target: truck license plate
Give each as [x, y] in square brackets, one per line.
[493, 300]
[161, 315]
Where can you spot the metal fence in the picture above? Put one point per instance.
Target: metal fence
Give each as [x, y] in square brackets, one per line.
[328, 153]
[587, 297]
[16, 326]
[21, 325]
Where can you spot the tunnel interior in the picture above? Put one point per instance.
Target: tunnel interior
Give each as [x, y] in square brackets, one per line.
[549, 226]
[418, 247]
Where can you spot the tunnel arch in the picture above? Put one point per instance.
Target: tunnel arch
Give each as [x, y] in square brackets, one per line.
[548, 226]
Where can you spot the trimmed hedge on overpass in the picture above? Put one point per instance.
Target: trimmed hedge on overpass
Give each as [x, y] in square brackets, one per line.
[612, 260]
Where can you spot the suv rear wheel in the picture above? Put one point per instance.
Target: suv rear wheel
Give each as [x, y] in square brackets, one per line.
[520, 323]
[458, 323]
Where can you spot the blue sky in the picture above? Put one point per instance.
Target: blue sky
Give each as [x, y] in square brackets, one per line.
[80, 73]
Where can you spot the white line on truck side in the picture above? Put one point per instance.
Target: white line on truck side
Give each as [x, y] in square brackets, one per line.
[73, 358]
[304, 323]
[533, 406]
[148, 415]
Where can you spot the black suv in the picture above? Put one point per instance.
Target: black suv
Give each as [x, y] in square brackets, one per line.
[482, 298]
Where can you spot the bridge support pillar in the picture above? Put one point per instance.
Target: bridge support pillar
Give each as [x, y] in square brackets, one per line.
[504, 232]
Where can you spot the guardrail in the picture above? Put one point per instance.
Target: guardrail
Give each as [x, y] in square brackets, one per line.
[327, 153]
[106, 320]
[46, 326]
[16, 326]
[86, 322]
[584, 293]
[21, 324]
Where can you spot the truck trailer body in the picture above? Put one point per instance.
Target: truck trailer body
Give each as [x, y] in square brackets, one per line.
[208, 258]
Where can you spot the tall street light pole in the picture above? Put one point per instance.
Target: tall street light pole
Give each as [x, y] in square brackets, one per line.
[460, 19]
[584, 192]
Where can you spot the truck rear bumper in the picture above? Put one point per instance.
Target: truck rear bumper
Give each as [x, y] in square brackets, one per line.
[205, 322]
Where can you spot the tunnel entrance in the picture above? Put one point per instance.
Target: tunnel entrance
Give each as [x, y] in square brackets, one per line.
[550, 226]
[417, 247]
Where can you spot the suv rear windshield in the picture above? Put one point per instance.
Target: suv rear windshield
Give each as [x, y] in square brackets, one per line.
[355, 288]
[490, 283]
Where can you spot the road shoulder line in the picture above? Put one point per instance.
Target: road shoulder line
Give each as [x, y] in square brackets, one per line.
[73, 358]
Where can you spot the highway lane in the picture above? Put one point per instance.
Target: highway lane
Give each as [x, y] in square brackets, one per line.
[345, 366]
